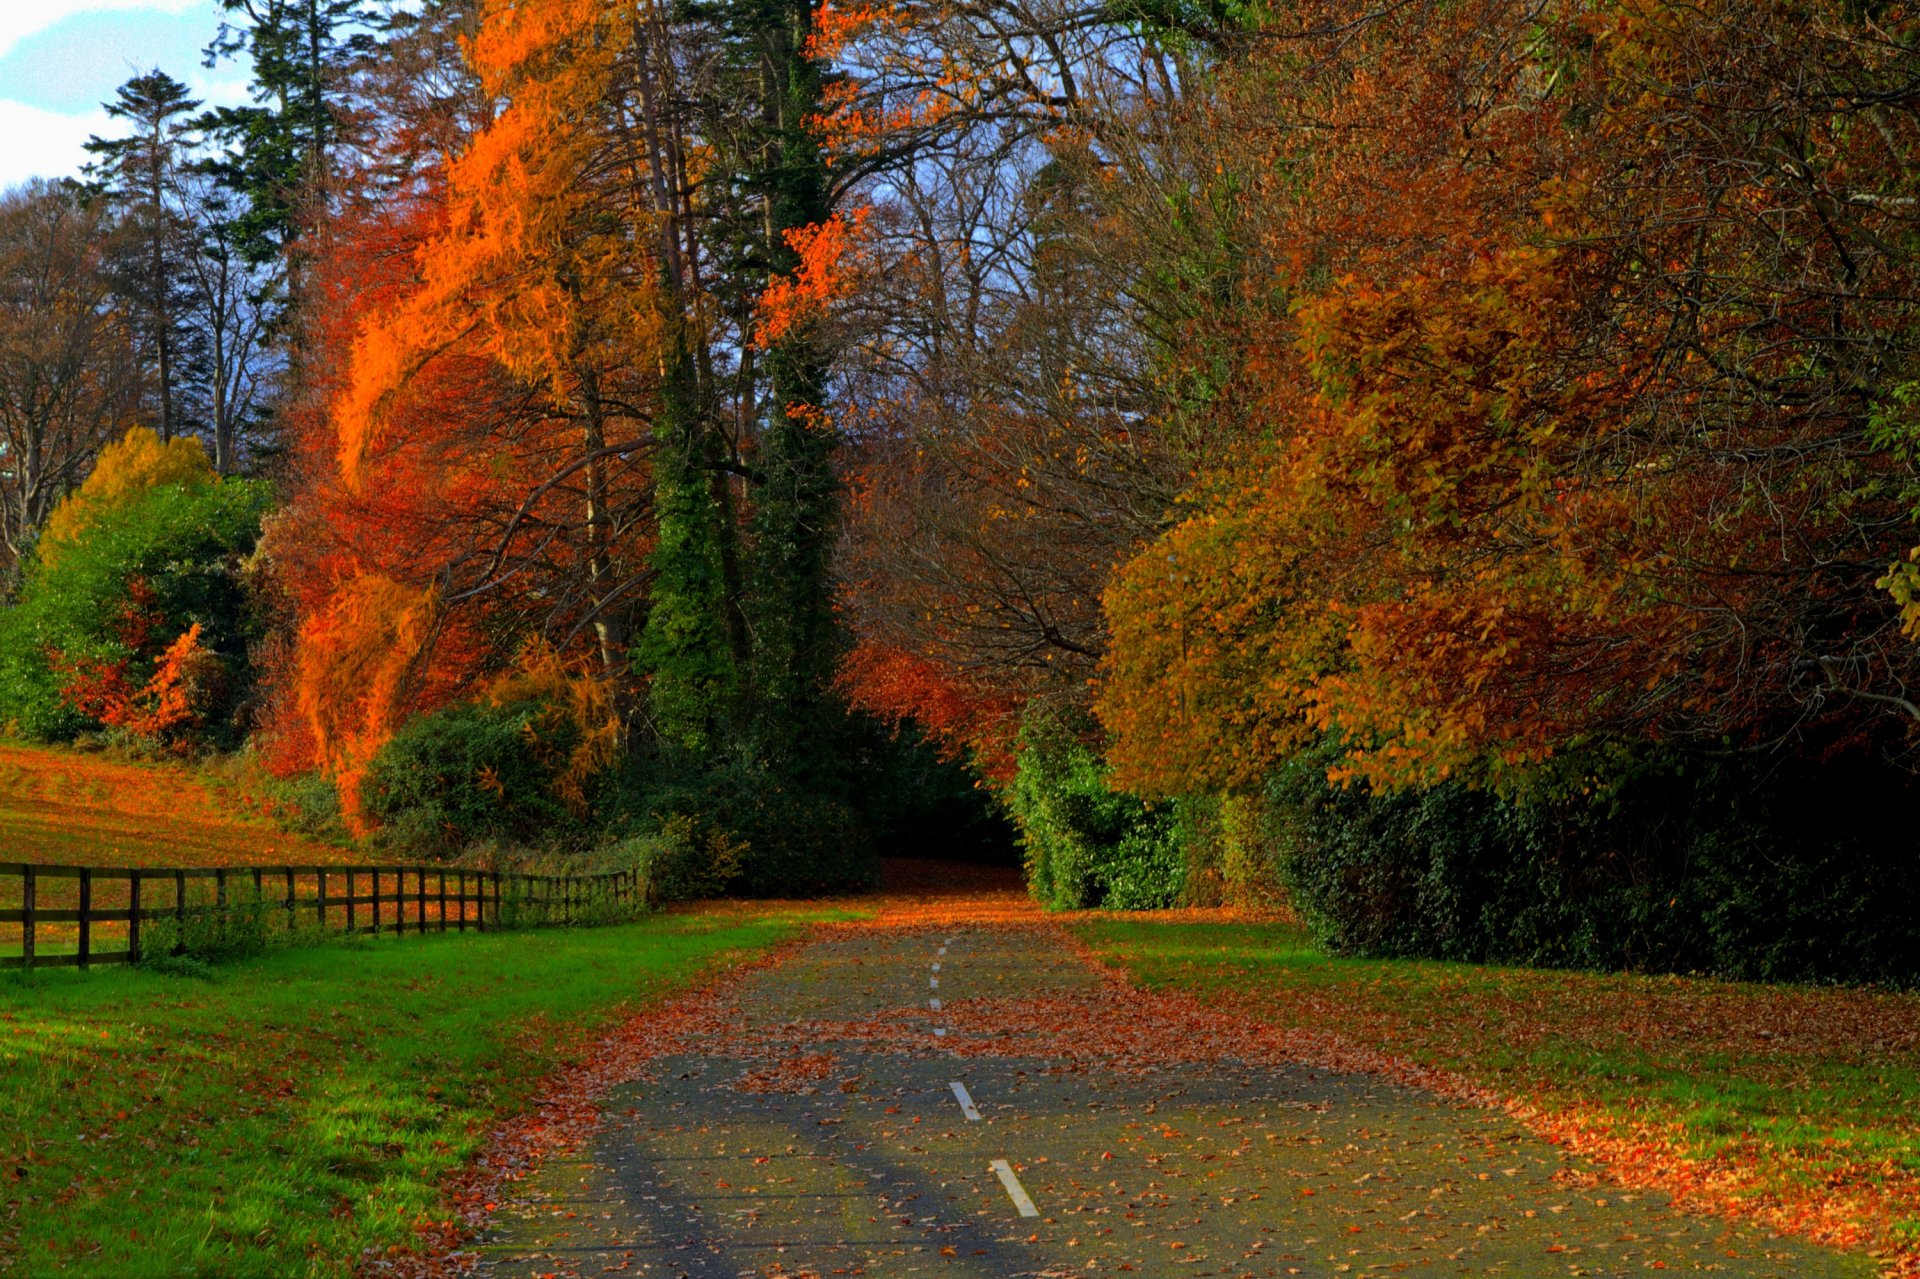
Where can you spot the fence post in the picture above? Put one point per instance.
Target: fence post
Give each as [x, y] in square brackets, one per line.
[86, 916]
[180, 909]
[292, 920]
[420, 886]
[133, 916]
[461, 892]
[443, 898]
[220, 889]
[320, 896]
[27, 894]
[376, 901]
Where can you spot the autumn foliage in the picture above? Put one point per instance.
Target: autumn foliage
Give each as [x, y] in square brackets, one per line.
[1553, 438]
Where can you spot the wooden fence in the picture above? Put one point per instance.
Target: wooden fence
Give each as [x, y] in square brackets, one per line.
[85, 915]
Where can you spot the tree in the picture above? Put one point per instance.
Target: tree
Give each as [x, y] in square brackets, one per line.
[68, 378]
[1560, 433]
[281, 151]
[134, 612]
[140, 176]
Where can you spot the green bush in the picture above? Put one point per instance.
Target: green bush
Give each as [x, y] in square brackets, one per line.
[796, 832]
[469, 773]
[251, 922]
[1766, 869]
[679, 861]
[1088, 846]
[186, 547]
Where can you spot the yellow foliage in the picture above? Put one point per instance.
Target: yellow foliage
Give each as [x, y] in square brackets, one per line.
[354, 664]
[135, 464]
[569, 698]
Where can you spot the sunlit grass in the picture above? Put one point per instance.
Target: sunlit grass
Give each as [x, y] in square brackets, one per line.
[281, 1115]
[62, 807]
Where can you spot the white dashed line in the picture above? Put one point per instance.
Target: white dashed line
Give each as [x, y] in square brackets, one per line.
[1015, 1191]
[939, 1030]
[966, 1102]
[934, 982]
[936, 965]
[934, 1004]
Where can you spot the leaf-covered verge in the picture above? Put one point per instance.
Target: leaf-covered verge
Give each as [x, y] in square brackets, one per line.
[282, 1116]
[65, 807]
[1794, 1105]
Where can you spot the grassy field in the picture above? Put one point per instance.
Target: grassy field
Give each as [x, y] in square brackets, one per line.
[1797, 1105]
[280, 1115]
[59, 806]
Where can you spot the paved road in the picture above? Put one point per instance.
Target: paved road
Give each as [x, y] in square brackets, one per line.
[825, 1132]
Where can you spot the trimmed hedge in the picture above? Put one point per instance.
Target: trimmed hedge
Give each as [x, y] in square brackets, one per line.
[1088, 846]
[1765, 869]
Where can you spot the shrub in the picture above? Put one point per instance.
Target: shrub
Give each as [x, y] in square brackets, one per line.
[462, 775]
[796, 834]
[138, 615]
[249, 923]
[1765, 869]
[1086, 845]
[680, 861]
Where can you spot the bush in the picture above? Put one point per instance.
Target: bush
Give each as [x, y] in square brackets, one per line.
[681, 862]
[250, 923]
[1088, 846]
[1774, 870]
[126, 585]
[795, 833]
[464, 775]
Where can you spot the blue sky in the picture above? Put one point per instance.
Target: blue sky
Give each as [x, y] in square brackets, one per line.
[60, 59]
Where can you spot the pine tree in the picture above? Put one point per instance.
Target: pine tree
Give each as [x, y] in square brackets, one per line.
[281, 149]
[139, 174]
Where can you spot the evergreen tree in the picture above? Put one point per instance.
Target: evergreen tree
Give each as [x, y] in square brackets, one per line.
[280, 150]
[139, 175]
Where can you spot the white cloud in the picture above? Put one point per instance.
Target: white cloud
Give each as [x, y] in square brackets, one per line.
[44, 144]
[22, 18]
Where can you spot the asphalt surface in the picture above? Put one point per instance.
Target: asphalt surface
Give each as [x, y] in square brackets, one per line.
[823, 1134]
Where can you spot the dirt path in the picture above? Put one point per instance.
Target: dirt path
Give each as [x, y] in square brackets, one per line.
[951, 1090]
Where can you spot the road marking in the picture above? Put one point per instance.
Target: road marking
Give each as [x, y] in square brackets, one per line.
[936, 965]
[941, 951]
[934, 982]
[934, 1004]
[939, 1030]
[1015, 1191]
[966, 1102]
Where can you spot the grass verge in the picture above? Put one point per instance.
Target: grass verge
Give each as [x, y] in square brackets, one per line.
[61, 806]
[1799, 1106]
[278, 1116]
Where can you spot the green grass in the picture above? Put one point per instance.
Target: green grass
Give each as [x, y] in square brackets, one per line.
[1813, 1094]
[277, 1116]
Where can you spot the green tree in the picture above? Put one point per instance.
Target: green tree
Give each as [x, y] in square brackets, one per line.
[140, 175]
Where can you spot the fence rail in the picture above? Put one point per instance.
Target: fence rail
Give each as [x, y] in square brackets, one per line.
[86, 915]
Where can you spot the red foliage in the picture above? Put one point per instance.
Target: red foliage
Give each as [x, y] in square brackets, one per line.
[962, 720]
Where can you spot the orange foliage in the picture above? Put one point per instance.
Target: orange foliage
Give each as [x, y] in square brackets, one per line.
[170, 700]
[463, 480]
[790, 301]
[358, 675]
[1503, 489]
[962, 721]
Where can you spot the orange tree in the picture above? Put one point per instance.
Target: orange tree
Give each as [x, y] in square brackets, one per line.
[1565, 425]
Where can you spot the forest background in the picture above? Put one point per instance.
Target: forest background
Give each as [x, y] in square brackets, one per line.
[1450, 466]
